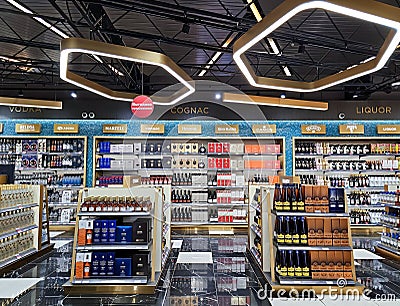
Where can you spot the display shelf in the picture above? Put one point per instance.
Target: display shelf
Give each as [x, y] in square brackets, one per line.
[18, 207]
[115, 246]
[388, 248]
[150, 248]
[209, 223]
[209, 204]
[390, 226]
[61, 223]
[311, 282]
[305, 214]
[207, 187]
[115, 214]
[312, 248]
[18, 231]
[58, 204]
[66, 187]
[390, 205]
[17, 257]
[365, 225]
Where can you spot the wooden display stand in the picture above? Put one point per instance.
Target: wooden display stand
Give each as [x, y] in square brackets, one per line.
[267, 263]
[40, 230]
[145, 284]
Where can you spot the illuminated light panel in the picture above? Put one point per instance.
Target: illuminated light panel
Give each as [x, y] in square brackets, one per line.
[367, 10]
[7, 101]
[96, 48]
[286, 70]
[273, 101]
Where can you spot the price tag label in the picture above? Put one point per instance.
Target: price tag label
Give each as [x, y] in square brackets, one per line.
[325, 249]
[285, 181]
[18, 230]
[18, 256]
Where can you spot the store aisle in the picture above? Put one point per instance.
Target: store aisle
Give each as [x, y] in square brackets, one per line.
[228, 280]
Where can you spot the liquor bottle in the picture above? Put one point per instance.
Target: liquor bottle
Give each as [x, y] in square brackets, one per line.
[293, 198]
[283, 263]
[298, 271]
[304, 264]
[300, 201]
[290, 263]
[257, 244]
[295, 231]
[278, 198]
[302, 227]
[280, 236]
[287, 230]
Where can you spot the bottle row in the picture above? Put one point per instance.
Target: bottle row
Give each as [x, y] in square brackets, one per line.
[112, 231]
[12, 220]
[231, 264]
[391, 218]
[322, 264]
[49, 179]
[15, 195]
[206, 215]
[15, 245]
[391, 240]
[62, 215]
[109, 264]
[363, 216]
[64, 196]
[352, 181]
[39, 161]
[311, 231]
[327, 148]
[210, 196]
[345, 165]
[20, 146]
[389, 197]
[116, 204]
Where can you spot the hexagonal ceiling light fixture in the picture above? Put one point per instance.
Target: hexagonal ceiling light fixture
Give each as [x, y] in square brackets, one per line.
[368, 10]
[96, 48]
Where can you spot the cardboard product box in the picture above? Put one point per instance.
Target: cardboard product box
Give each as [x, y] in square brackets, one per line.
[95, 264]
[102, 264]
[277, 164]
[137, 147]
[248, 148]
[110, 263]
[114, 148]
[123, 267]
[226, 163]
[348, 274]
[328, 228]
[316, 194]
[344, 228]
[112, 226]
[211, 163]
[332, 200]
[218, 147]
[340, 197]
[226, 147]
[308, 194]
[124, 233]
[319, 227]
[328, 242]
[338, 260]
[240, 164]
[312, 239]
[140, 264]
[79, 265]
[219, 163]
[116, 164]
[314, 260]
[347, 262]
[194, 301]
[211, 147]
[336, 232]
[82, 232]
[141, 231]
[131, 180]
[104, 231]
[324, 194]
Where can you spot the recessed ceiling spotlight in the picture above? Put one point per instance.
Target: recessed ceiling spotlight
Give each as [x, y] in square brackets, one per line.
[74, 94]
[217, 96]
[283, 95]
[355, 96]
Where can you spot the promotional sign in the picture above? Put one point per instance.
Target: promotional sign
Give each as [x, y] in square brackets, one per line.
[227, 129]
[388, 129]
[142, 107]
[351, 129]
[152, 128]
[28, 128]
[66, 128]
[319, 129]
[264, 128]
[189, 128]
[115, 128]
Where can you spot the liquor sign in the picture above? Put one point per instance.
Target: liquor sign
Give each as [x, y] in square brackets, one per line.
[351, 129]
[227, 129]
[115, 128]
[66, 128]
[152, 128]
[189, 128]
[319, 129]
[388, 129]
[264, 128]
[28, 128]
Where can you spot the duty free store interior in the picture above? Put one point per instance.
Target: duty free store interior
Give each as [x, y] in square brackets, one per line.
[214, 153]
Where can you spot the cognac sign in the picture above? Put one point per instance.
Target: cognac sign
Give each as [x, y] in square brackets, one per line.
[115, 128]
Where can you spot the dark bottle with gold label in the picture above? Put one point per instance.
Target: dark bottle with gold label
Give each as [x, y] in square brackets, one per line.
[300, 198]
[305, 264]
[287, 230]
[286, 199]
[293, 198]
[283, 263]
[298, 271]
[302, 228]
[278, 197]
[290, 263]
[280, 236]
[295, 231]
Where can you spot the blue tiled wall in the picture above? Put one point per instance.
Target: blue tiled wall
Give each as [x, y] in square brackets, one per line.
[287, 129]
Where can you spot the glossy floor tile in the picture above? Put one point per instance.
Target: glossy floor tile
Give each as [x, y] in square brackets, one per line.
[227, 279]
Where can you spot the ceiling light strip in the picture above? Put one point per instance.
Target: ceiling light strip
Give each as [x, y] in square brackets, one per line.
[79, 45]
[368, 10]
[7, 101]
[273, 101]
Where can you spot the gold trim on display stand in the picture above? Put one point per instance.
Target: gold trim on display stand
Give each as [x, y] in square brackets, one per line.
[7, 101]
[367, 10]
[85, 46]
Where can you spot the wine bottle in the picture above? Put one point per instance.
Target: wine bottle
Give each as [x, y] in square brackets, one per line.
[290, 263]
[287, 230]
[283, 263]
[293, 198]
[304, 264]
[295, 231]
[280, 237]
[300, 201]
[298, 271]
[302, 227]
[278, 198]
